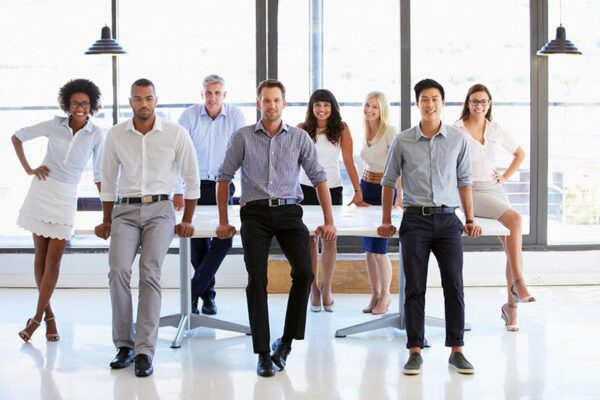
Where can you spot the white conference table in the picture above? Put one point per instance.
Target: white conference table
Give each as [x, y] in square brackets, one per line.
[349, 221]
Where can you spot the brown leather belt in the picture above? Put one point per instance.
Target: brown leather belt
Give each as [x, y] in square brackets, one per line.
[372, 177]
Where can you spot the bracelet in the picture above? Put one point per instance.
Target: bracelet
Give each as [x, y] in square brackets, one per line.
[469, 221]
[356, 190]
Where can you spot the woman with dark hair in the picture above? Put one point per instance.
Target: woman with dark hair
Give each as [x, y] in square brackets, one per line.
[331, 135]
[486, 138]
[49, 208]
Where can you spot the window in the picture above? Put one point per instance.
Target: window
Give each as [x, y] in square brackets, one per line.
[574, 135]
[45, 50]
[464, 42]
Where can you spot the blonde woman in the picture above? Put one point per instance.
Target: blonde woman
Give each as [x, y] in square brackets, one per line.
[378, 138]
[486, 138]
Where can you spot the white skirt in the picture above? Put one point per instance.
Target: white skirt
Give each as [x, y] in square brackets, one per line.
[49, 208]
[489, 200]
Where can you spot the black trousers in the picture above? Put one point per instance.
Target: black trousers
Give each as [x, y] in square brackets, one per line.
[441, 235]
[207, 254]
[259, 225]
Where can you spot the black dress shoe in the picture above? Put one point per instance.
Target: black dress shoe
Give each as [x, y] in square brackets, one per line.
[265, 365]
[123, 358]
[280, 353]
[143, 365]
[195, 307]
[209, 307]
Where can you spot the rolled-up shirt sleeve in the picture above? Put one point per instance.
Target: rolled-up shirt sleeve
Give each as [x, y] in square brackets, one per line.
[188, 166]
[97, 155]
[234, 156]
[310, 161]
[110, 170]
[463, 165]
[393, 164]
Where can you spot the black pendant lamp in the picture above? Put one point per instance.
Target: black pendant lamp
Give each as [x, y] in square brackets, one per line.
[560, 45]
[106, 44]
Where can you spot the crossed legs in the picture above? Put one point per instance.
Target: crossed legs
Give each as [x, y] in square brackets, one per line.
[48, 255]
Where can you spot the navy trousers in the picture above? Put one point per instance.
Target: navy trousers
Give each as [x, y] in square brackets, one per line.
[441, 235]
[207, 254]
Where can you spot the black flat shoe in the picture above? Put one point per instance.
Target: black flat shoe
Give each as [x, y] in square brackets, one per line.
[123, 358]
[280, 353]
[195, 307]
[143, 365]
[209, 307]
[265, 365]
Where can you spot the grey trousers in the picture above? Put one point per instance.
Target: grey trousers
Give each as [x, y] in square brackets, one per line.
[150, 227]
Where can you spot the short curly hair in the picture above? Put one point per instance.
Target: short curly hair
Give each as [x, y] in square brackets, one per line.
[79, 86]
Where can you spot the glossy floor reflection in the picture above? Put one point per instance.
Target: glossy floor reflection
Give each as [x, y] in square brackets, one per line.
[555, 355]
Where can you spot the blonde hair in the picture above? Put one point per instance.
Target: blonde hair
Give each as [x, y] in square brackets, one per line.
[384, 112]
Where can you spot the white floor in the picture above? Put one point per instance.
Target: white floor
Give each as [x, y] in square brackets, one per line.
[556, 355]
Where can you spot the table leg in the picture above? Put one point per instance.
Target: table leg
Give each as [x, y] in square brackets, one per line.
[185, 320]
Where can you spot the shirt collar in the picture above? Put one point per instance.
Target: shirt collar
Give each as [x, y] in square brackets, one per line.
[158, 125]
[260, 128]
[419, 133]
[64, 121]
[203, 112]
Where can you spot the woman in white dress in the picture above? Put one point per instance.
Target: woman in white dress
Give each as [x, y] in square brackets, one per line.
[331, 135]
[489, 200]
[48, 211]
[378, 138]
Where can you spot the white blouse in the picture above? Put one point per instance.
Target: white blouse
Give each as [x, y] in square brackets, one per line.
[329, 158]
[68, 154]
[483, 156]
[375, 155]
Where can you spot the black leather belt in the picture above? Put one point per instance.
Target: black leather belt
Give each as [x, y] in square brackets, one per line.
[273, 202]
[430, 210]
[150, 198]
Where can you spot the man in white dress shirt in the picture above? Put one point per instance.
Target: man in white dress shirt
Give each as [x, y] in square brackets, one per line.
[142, 161]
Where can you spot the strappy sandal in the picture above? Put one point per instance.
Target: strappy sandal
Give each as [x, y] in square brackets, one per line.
[26, 336]
[515, 294]
[505, 317]
[51, 337]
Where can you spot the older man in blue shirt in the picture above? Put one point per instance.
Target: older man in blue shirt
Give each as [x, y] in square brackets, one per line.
[210, 125]
[434, 164]
[270, 155]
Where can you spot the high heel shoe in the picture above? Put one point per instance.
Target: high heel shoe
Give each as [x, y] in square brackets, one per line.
[370, 307]
[515, 294]
[505, 317]
[313, 307]
[26, 336]
[383, 310]
[326, 307]
[51, 337]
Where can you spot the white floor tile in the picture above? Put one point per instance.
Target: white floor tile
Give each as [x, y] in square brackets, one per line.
[555, 355]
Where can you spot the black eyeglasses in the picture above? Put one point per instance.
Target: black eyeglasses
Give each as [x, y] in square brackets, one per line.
[84, 104]
[475, 102]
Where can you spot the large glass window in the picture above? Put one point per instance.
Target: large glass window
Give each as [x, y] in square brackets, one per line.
[463, 42]
[574, 135]
[361, 53]
[178, 44]
[43, 48]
